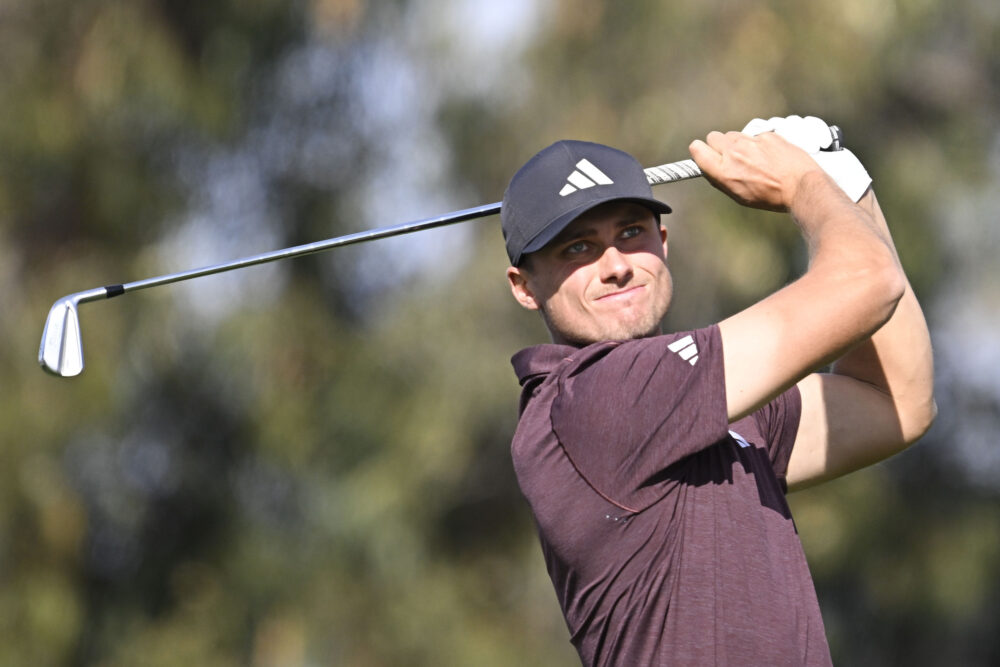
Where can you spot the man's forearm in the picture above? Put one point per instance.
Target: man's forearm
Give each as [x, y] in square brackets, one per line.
[897, 359]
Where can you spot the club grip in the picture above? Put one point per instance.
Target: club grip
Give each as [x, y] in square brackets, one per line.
[672, 172]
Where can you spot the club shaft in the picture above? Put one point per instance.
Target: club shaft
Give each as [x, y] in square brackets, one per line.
[309, 248]
[665, 173]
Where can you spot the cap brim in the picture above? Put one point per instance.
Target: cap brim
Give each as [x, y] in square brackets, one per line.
[553, 228]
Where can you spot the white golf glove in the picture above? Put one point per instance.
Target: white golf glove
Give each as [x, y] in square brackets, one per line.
[813, 135]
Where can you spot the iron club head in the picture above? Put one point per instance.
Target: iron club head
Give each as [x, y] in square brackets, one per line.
[61, 350]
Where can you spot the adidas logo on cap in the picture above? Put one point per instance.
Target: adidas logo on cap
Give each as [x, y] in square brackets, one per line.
[586, 175]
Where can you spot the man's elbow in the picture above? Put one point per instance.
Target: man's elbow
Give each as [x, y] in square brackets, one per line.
[883, 285]
[918, 420]
[893, 282]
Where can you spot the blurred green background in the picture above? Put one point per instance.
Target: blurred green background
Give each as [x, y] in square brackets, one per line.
[307, 463]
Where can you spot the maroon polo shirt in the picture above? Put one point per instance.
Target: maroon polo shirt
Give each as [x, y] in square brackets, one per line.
[664, 528]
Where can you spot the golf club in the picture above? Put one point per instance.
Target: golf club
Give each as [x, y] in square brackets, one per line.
[61, 349]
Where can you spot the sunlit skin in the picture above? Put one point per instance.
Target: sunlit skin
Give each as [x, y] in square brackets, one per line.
[604, 277]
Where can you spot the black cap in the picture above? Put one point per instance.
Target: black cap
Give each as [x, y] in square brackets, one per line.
[561, 183]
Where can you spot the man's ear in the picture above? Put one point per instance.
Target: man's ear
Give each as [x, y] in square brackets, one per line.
[520, 289]
[663, 238]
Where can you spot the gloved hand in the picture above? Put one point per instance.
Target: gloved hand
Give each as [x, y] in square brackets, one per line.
[813, 136]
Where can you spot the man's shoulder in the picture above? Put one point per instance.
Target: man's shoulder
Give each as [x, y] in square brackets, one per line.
[540, 360]
[687, 346]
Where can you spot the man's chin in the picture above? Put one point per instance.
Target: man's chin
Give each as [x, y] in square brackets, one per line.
[624, 332]
[633, 333]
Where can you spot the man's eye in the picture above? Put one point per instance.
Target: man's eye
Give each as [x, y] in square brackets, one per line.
[576, 248]
[632, 231]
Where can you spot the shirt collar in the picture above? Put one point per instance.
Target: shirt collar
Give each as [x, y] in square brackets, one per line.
[540, 360]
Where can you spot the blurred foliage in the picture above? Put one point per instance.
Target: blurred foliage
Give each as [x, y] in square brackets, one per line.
[308, 463]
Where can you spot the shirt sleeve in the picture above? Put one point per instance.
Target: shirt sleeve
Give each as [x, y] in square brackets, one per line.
[626, 411]
[778, 421]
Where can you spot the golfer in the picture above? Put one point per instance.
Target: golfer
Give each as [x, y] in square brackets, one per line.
[656, 465]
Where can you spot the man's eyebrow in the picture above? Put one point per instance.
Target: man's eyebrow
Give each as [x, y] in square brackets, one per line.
[630, 218]
[571, 234]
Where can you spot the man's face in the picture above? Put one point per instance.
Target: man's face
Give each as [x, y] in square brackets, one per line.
[604, 277]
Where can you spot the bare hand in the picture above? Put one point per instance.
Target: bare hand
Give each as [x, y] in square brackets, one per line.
[761, 172]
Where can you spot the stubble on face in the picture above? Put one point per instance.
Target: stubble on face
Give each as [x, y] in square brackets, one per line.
[604, 277]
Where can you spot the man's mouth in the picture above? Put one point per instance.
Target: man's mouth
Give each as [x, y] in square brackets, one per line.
[623, 293]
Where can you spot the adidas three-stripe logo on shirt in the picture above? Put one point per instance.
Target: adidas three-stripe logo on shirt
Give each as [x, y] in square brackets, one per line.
[686, 349]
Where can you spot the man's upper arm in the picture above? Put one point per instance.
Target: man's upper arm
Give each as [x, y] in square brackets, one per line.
[846, 424]
[771, 345]
[778, 343]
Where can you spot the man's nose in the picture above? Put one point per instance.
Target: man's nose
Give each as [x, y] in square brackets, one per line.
[614, 266]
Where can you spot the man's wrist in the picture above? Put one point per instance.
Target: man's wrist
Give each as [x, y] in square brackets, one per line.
[812, 187]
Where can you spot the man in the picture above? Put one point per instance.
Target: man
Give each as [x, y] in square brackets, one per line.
[656, 465]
